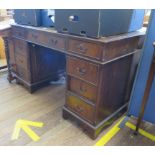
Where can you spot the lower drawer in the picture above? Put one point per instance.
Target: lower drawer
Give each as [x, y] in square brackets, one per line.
[23, 74]
[81, 108]
[82, 88]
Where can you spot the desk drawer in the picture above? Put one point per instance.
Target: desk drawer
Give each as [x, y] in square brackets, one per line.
[21, 47]
[23, 74]
[81, 108]
[54, 42]
[82, 88]
[47, 40]
[22, 61]
[82, 69]
[85, 48]
[19, 32]
[34, 36]
[116, 49]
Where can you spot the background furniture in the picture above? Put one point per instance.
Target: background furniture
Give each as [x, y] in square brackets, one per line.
[99, 72]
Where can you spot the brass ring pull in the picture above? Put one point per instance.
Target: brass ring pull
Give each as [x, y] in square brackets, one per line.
[81, 48]
[82, 89]
[82, 71]
[54, 41]
[79, 109]
[34, 36]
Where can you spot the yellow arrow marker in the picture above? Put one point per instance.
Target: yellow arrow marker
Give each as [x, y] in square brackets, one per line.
[108, 136]
[23, 124]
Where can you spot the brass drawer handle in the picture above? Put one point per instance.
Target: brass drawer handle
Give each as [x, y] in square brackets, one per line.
[79, 109]
[20, 34]
[82, 89]
[81, 71]
[53, 41]
[81, 48]
[35, 36]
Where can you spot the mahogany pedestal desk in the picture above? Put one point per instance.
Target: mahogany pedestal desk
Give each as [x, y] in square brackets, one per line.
[99, 72]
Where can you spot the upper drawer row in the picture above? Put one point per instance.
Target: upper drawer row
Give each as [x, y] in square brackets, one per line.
[91, 49]
[40, 37]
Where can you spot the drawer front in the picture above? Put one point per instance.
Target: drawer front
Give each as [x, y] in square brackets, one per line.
[19, 32]
[22, 61]
[21, 47]
[82, 88]
[23, 74]
[81, 108]
[34, 36]
[55, 42]
[82, 69]
[85, 48]
[119, 48]
[39, 37]
[47, 40]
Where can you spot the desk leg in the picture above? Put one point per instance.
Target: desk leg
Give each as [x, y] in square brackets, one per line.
[10, 77]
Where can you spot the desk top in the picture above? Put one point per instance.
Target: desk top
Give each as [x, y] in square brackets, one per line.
[100, 50]
[140, 32]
